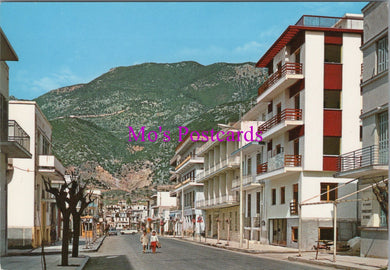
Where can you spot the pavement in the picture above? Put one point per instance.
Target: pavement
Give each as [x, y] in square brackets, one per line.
[124, 252]
[277, 252]
[32, 259]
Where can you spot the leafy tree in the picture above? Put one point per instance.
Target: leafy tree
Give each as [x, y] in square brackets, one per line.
[380, 190]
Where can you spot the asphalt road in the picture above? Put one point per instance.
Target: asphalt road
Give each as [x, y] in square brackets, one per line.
[125, 252]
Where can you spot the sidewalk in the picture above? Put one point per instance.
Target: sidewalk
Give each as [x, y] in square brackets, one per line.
[31, 259]
[56, 248]
[35, 263]
[284, 253]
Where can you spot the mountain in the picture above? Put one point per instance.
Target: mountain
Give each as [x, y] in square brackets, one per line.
[91, 121]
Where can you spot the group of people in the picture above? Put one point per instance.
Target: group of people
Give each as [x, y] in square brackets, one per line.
[154, 243]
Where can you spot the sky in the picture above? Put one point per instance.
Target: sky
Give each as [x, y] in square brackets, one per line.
[61, 44]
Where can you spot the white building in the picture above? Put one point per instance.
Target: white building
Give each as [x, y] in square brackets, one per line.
[220, 202]
[310, 105]
[188, 166]
[14, 141]
[32, 212]
[160, 204]
[370, 163]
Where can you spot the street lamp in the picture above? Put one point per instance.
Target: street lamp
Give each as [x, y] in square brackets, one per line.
[241, 188]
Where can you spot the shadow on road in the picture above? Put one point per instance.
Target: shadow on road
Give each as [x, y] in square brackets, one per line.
[117, 262]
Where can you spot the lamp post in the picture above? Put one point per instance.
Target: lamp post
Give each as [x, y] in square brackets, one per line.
[241, 184]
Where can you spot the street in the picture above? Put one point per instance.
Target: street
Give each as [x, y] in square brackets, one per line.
[125, 252]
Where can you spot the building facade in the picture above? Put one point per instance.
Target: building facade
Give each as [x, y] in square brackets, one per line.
[187, 166]
[370, 163]
[310, 106]
[221, 203]
[14, 141]
[32, 212]
[160, 205]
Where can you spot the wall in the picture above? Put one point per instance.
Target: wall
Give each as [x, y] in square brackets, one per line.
[313, 103]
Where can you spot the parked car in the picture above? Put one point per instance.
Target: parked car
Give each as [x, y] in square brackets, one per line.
[112, 231]
[129, 231]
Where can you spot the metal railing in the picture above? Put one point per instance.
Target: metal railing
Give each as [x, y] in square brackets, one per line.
[287, 68]
[330, 22]
[367, 156]
[17, 134]
[294, 208]
[279, 161]
[286, 114]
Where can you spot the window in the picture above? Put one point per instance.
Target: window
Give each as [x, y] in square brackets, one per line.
[331, 145]
[249, 172]
[326, 194]
[383, 137]
[257, 202]
[270, 105]
[249, 212]
[223, 221]
[294, 234]
[259, 160]
[278, 149]
[235, 221]
[273, 196]
[382, 55]
[326, 233]
[282, 195]
[332, 53]
[332, 99]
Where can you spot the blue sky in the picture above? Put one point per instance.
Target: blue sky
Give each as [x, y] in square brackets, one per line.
[61, 44]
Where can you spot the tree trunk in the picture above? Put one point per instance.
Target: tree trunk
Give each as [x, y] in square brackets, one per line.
[65, 240]
[76, 235]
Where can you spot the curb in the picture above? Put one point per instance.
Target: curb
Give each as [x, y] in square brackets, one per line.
[250, 251]
[81, 267]
[96, 249]
[329, 264]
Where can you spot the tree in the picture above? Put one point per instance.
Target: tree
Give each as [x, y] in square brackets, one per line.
[65, 205]
[380, 191]
[83, 199]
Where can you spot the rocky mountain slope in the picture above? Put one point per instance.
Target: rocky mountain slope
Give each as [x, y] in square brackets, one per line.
[90, 121]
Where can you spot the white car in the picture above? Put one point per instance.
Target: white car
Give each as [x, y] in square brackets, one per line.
[129, 231]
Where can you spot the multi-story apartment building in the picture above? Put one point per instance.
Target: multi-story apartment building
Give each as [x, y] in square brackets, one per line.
[220, 202]
[138, 216]
[159, 208]
[188, 166]
[14, 141]
[310, 105]
[32, 212]
[370, 163]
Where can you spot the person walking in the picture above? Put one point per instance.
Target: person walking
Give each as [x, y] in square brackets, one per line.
[154, 241]
[144, 241]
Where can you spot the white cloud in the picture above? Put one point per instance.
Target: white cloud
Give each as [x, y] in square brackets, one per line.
[63, 77]
[252, 46]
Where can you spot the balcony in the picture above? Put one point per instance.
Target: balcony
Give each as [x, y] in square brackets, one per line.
[289, 74]
[218, 202]
[229, 163]
[282, 122]
[189, 160]
[331, 22]
[51, 167]
[370, 160]
[248, 182]
[278, 166]
[293, 208]
[17, 144]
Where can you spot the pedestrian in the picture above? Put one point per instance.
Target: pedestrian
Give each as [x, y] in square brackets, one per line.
[154, 241]
[144, 241]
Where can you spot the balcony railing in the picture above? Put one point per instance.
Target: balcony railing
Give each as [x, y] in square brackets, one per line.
[279, 161]
[262, 168]
[222, 200]
[286, 114]
[330, 22]
[294, 208]
[367, 156]
[287, 68]
[17, 134]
